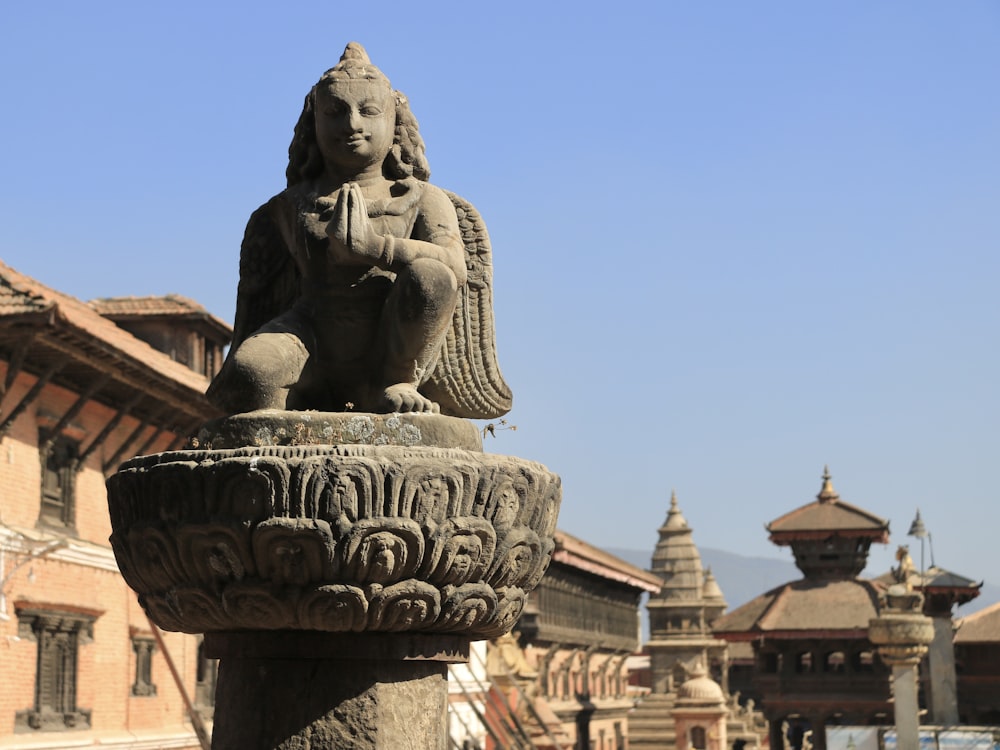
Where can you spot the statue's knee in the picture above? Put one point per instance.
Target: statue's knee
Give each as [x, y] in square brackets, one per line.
[262, 369]
[430, 284]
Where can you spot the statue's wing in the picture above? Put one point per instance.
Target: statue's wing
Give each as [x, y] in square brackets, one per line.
[269, 284]
[269, 279]
[466, 382]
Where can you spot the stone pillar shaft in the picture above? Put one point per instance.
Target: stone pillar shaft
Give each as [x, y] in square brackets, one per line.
[905, 706]
[317, 691]
[308, 704]
[941, 661]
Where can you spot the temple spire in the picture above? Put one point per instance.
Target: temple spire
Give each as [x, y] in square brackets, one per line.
[674, 518]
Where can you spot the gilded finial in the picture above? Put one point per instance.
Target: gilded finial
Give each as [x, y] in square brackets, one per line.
[827, 493]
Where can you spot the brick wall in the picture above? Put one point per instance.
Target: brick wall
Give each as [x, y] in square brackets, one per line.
[79, 576]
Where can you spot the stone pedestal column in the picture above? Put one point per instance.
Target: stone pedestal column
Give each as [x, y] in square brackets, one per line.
[336, 563]
[943, 682]
[902, 635]
[297, 690]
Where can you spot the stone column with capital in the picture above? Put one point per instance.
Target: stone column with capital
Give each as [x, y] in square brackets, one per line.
[341, 536]
[334, 582]
[902, 634]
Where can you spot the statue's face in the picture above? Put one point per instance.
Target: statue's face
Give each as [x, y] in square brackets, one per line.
[355, 122]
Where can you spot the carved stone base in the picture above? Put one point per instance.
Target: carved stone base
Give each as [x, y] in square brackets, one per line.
[339, 538]
[334, 581]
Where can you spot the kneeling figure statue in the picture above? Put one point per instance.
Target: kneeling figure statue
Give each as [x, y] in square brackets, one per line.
[362, 286]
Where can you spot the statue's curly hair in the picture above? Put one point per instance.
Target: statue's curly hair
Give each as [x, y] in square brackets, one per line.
[405, 159]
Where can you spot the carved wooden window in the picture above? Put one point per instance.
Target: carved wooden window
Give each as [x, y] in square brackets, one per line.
[804, 662]
[864, 661]
[144, 649]
[58, 480]
[698, 738]
[58, 635]
[834, 662]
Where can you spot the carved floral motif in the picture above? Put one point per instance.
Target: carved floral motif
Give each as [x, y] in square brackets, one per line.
[342, 538]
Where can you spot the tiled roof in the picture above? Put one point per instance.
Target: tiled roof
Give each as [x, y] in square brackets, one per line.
[980, 627]
[170, 305]
[934, 578]
[740, 651]
[17, 298]
[827, 514]
[21, 294]
[579, 554]
[805, 606]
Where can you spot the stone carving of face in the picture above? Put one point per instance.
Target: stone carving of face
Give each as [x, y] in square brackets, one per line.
[355, 124]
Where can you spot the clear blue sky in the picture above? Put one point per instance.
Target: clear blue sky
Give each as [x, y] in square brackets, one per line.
[734, 241]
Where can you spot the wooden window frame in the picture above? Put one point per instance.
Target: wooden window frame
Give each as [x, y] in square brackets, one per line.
[144, 648]
[58, 481]
[59, 636]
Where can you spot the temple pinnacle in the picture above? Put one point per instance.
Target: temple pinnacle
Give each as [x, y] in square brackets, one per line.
[827, 493]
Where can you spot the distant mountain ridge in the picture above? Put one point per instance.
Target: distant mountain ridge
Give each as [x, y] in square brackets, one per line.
[743, 578]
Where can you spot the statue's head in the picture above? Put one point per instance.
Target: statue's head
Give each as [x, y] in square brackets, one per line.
[392, 129]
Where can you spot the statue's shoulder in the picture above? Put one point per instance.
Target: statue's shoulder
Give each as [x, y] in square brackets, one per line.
[434, 196]
[294, 199]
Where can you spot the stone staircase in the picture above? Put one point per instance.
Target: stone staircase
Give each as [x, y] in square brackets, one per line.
[651, 723]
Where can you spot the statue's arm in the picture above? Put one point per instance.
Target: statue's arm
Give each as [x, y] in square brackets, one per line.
[435, 235]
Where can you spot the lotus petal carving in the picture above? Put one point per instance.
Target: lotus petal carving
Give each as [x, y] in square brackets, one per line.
[215, 554]
[382, 550]
[294, 551]
[336, 538]
[467, 607]
[407, 605]
[337, 607]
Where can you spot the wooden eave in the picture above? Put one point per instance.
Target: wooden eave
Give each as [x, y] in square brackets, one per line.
[82, 357]
[758, 634]
[576, 553]
[783, 538]
[211, 327]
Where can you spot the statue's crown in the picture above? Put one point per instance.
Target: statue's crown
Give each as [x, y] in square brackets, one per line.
[354, 64]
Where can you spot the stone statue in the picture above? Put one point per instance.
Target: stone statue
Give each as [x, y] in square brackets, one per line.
[362, 286]
[338, 561]
[906, 568]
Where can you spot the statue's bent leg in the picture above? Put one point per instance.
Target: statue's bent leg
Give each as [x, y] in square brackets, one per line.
[262, 372]
[415, 319]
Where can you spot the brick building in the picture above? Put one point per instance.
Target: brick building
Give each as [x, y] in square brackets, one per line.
[80, 664]
[561, 679]
[977, 653]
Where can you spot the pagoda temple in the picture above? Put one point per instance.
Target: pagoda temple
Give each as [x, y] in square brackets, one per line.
[814, 664]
